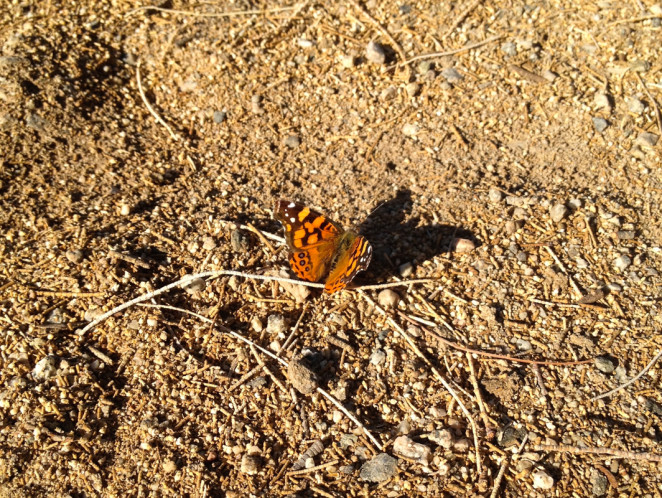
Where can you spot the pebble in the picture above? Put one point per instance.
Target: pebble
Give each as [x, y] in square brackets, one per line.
[412, 89]
[602, 101]
[348, 61]
[425, 66]
[256, 104]
[462, 445]
[549, 75]
[406, 269]
[437, 412]
[388, 298]
[196, 285]
[452, 75]
[375, 53]
[92, 314]
[125, 209]
[405, 447]
[302, 378]
[599, 483]
[74, 255]
[377, 357]
[276, 324]
[640, 66]
[208, 243]
[219, 116]
[622, 262]
[605, 364]
[442, 437]
[509, 48]
[389, 93]
[625, 234]
[600, 124]
[239, 241]
[652, 406]
[379, 468]
[250, 464]
[542, 480]
[557, 212]
[256, 324]
[410, 129]
[346, 469]
[463, 246]
[304, 43]
[495, 195]
[635, 106]
[647, 139]
[169, 466]
[292, 141]
[45, 368]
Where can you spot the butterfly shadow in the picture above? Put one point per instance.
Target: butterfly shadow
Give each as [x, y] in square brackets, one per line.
[398, 238]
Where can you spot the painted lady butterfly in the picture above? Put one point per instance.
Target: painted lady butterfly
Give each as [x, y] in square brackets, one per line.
[321, 248]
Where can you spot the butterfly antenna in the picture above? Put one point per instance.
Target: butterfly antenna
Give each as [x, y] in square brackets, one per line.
[374, 210]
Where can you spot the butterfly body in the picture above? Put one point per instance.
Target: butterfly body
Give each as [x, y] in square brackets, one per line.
[321, 248]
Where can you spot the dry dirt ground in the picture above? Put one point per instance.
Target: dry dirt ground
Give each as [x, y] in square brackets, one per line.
[508, 152]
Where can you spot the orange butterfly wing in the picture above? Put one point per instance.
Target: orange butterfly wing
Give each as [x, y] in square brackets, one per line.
[311, 237]
[319, 246]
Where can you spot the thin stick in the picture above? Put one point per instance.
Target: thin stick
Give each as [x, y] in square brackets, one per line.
[68, 293]
[461, 17]
[639, 375]
[655, 107]
[504, 466]
[501, 356]
[288, 340]
[211, 14]
[261, 236]
[635, 19]
[312, 469]
[630, 455]
[435, 55]
[396, 284]
[479, 398]
[438, 375]
[151, 110]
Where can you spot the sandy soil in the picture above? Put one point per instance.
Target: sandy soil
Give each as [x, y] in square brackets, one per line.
[507, 152]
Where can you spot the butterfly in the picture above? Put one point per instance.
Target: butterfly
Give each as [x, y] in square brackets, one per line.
[320, 248]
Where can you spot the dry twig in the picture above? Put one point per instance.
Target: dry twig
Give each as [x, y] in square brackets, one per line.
[151, 110]
[632, 381]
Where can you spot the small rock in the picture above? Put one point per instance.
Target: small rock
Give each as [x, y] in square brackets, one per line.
[452, 75]
[250, 464]
[557, 212]
[195, 286]
[622, 262]
[256, 324]
[377, 357]
[346, 469]
[600, 124]
[602, 101]
[348, 61]
[509, 49]
[125, 209]
[292, 141]
[74, 255]
[437, 412]
[406, 269]
[389, 93]
[653, 407]
[388, 298]
[461, 245]
[219, 116]
[625, 234]
[240, 241]
[403, 446]
[605, 364]
[495, 195]
[442, 437]
[599, 483]
[45, 368]
[379, 468]
[375, 53]
[302, 378]
[208, 243]
[542, 480]
[425, 66]
[276, 324]
[412, 89]
[347, 441]
[462, 445]
[304, 43]
[92, 314]
[640, 66]
[410, 129]
[635, 106]
[647, 139]
[256, 104]
[169, 466]
[549, 75]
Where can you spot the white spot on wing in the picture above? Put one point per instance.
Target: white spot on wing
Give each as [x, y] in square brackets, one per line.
[292, 219]
[291, 205]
